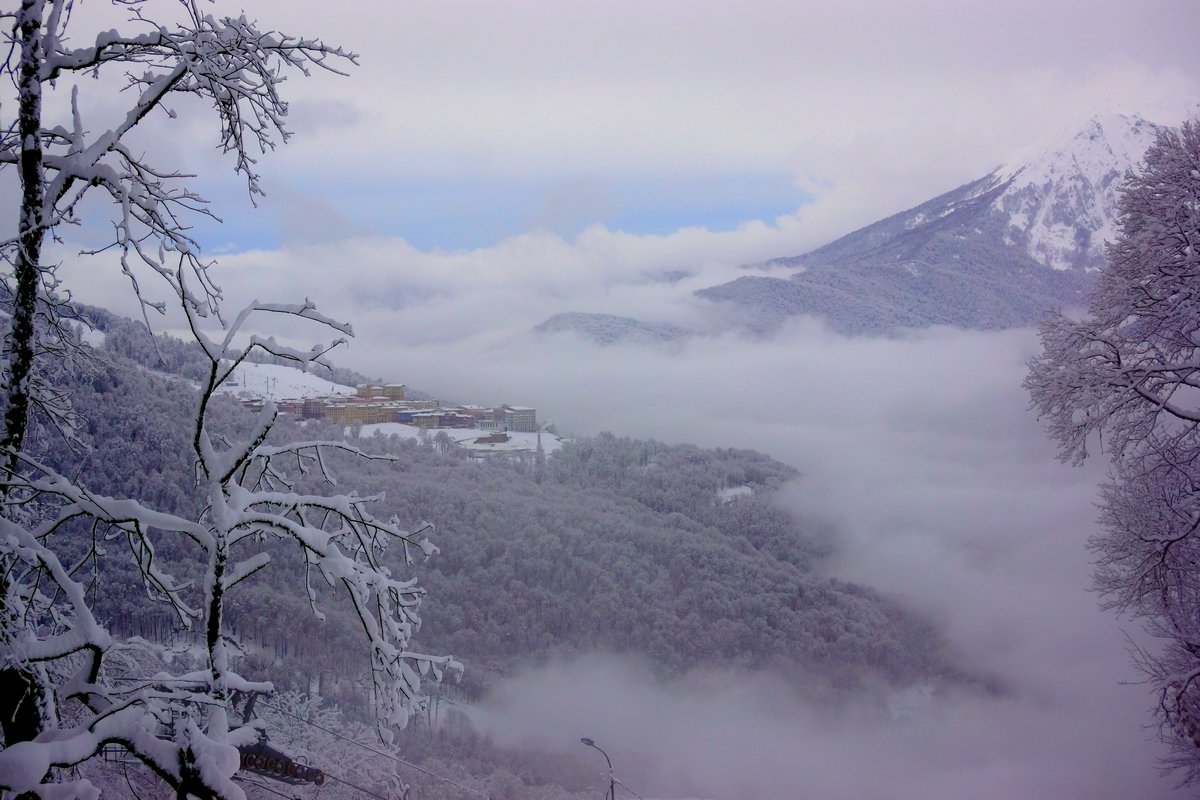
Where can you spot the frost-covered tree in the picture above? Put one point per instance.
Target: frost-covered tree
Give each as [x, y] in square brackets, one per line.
[229, 63]
[60, 158]
[182, 726]
[1127, 377]
[58, 702]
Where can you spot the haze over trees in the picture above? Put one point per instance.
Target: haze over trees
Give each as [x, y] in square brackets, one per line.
[154, 481]
[619, 544]
[1125, 381]
[616, 545]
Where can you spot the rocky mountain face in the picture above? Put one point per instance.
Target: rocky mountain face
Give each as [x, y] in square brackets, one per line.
[995, 253]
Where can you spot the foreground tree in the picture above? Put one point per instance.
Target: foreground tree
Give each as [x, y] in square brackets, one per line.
[58, 702]
[229, 63]
[181, 726]
[1127, 377]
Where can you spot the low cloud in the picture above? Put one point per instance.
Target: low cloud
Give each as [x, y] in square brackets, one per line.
[946, 496]
[919, 450]
[751, 737]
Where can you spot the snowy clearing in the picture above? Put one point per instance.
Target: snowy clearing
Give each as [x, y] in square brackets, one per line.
[271, 382]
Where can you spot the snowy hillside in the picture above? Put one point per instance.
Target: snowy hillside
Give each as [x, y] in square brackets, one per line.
[93, 337]
[272, 382]
[994, 253]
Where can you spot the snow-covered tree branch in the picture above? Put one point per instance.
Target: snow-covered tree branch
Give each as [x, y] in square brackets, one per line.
[230, 63]
[60, 700]
[180, 725]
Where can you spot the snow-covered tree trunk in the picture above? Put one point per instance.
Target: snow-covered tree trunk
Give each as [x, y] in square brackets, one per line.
[229, 62]
[30, 227]
[24, 701]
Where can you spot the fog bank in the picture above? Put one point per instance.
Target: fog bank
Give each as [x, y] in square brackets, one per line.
[946, 495]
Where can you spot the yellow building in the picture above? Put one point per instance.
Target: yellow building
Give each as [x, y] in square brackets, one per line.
[357, 413]
[387, 391]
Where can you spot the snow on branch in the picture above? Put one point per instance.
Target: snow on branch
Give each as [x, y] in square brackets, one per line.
[180, 725]
[250, 497]
[229, 62]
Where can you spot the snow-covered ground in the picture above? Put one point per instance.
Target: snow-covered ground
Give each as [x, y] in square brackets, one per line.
[518, 441]
[92, 336]
[733, 493]
[271, 382]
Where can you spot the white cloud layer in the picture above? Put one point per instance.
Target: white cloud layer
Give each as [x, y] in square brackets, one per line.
[920, 450]
[946, 496]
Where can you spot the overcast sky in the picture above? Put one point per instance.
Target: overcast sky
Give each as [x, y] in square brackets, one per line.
[506, 144]
[467, 122]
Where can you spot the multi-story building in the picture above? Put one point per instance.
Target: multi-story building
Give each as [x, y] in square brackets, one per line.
[378, 403]
[419, 405]
[314, 408]
[427, 419]
[519, 418]
[350, 413]
[387, 391]
[290, 406]
[477, 413]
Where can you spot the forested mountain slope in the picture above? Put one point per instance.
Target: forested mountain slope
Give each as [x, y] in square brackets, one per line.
[612, 545]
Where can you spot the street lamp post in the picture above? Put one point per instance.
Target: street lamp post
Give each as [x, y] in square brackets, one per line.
[612, 781]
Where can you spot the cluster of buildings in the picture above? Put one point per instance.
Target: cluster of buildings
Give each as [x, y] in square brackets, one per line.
[373, 404]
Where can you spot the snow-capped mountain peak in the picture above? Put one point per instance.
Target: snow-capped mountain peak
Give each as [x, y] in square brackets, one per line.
[1061, 196]
[1091, 150]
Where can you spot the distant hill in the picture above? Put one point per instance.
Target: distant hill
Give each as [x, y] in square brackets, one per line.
[260, 376]
[994, 253]
[610, 329]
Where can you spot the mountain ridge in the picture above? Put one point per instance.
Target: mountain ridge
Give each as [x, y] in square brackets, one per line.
[996, 252]
[608, 329]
